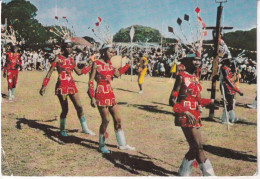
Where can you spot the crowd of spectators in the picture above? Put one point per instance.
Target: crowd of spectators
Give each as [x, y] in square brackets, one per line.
[159, 64]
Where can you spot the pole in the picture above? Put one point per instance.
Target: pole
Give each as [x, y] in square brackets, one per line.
[224, 101]
[132, 32]
[215, 61]
[131, 56]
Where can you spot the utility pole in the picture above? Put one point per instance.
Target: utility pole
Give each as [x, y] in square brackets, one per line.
[216, 37]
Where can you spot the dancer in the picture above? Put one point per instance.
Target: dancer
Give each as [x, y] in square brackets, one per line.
[65, 86]
[141, 73]
[185, 99]
[230, 90]
[103, 72]
[13, 61]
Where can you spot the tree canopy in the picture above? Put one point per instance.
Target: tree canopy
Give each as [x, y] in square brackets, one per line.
[142, 34]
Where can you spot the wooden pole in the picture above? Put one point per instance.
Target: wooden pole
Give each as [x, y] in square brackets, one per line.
[215, 61]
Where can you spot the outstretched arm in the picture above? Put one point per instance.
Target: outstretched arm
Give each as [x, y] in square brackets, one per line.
[47, 78]
[84, 70]
[121, 70]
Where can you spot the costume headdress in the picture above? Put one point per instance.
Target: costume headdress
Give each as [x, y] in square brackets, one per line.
[197, 40]
[9, 35]
[61, 29]
[102, 32]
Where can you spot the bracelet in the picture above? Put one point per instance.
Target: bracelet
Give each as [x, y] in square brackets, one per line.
[91, 89]
[175, 94]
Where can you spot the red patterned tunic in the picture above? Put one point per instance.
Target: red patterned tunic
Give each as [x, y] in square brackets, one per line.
[12, 62]
[65, 84]
[104, 94]
[189, 100]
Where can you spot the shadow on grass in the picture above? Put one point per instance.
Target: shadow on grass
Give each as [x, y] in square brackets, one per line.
[229, 153]
[128, 162]
[153, 109]
[161, 104]
[53, 133]
[121, 89]
[4, 95]
[134, 164]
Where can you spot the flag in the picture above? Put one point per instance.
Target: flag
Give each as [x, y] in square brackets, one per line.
[203, 25]
[92, 30]
[179, 21]
[56, 17]
[205, 33]
[170, 29]
[97, 24]
[99, 19]
[64, 17]
[199, 19]
[186, 17]
[197, 10]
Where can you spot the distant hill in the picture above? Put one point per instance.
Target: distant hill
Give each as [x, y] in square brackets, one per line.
[241, 39]
[245, 40]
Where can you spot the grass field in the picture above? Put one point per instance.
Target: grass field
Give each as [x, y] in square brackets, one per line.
[31, 145]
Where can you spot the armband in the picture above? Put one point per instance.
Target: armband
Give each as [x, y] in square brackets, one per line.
[85, 70]
[178, 108]
[91, 89]
[53, 64]
[175, 94]
[123, 69]
[45, 81]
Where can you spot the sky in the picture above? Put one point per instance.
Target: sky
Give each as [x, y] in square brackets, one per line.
[159, 14]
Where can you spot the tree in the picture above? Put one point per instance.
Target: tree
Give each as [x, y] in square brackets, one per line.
[20, 15]
[142, 34]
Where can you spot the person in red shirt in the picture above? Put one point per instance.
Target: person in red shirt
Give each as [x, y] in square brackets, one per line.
[65, 86]
[13, 61]
[230, 89]
[185, 99]
[103, 97]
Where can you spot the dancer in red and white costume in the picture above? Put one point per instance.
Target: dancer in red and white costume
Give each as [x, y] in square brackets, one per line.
[65, 86]
[103, 97]
[13, 61]
[185, 99]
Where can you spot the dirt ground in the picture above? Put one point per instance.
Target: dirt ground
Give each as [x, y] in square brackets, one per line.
[31, 145]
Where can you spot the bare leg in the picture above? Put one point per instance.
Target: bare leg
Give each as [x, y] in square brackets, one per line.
[104, 113]
[64, 112]
[77, 104]
[120, 135]
[193, 136]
